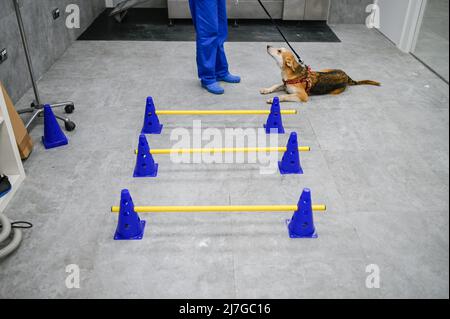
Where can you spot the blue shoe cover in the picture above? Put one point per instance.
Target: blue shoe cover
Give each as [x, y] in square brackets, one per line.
[214, 88]
[230, 78]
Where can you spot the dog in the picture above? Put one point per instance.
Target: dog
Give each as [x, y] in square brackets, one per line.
[301, 82]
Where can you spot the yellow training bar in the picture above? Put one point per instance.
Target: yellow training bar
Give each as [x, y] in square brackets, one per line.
[219, 209]
[223, 112]
[223, 150]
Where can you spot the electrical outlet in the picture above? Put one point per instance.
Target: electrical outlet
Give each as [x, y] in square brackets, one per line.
[3, 55]
[56, 13]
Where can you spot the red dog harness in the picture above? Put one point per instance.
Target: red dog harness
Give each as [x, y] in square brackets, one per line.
[306, 81]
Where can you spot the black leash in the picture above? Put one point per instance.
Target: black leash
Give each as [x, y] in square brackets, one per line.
[279, 30]
[20, 225]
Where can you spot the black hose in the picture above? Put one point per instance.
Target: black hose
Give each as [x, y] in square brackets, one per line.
[9, 234]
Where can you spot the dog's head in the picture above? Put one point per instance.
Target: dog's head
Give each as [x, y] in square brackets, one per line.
[284, 58]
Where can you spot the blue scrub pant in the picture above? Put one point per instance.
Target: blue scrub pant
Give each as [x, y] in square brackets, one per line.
[211, 24]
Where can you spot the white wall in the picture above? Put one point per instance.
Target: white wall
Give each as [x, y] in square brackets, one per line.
[399, 20]
[392, 18]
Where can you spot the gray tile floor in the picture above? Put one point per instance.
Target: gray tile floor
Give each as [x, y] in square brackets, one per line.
[380, 162]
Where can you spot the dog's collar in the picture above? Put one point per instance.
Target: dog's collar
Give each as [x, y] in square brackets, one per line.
[306, 80]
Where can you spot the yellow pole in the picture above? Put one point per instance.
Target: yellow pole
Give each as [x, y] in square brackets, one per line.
[218, 209]
[223, 112]
[223, 150]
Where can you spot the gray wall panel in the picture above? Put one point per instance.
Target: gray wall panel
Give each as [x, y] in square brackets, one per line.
[294, 9]
[6, 7]
[48, 39]
[348, 11]
[147, 4]
[317, 10]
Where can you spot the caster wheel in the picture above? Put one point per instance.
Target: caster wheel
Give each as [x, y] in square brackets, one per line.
[33, 104]
[70, 126]
[69, 109]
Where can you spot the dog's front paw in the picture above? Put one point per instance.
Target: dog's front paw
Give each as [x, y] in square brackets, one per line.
[265, 91]
[270, 101]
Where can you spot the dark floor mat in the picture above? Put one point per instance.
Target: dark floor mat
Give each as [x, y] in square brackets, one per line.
[153, 25]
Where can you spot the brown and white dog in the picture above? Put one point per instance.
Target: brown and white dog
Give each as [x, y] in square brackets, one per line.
[301, 82]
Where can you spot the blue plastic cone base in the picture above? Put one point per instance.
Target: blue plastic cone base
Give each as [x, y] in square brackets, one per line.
[53, 134]
[153, 129]
[302, 223]
[129, 226]
[290, 163]
[292, 233]
[50, 145]
[297, 171]
[270, 130]
[274, 124]
[140, 236]
[151, 120]
[145, 164]
[143, 172]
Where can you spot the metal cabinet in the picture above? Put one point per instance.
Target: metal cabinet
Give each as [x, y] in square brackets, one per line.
[237, 9]
[294, 9]
[306, 9]
[178, 9]
[250, 9]
[317, 10]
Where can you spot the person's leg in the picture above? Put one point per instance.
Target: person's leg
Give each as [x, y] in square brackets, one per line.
[221, 60]
[204, 15]
[222, 72]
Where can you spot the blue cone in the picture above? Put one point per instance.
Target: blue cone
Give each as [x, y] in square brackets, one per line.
[275, 122]
[151, 120]
[53, 135]
[145, 164]
[130, 226]
[302, 223]
[290, 163]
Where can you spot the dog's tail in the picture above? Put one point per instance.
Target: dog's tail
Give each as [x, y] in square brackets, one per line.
[365, 82]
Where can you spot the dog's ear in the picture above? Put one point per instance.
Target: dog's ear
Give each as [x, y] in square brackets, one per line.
[290, 63]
